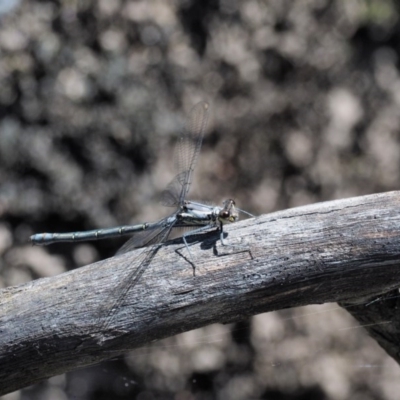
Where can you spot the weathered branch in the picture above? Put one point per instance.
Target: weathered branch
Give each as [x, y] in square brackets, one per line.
[346, 250]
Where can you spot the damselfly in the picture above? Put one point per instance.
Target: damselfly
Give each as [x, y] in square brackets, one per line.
[188, 214]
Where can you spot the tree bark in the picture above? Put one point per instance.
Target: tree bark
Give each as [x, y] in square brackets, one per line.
[346, 251]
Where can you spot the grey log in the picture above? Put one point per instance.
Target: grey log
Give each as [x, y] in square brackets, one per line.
[346, 251]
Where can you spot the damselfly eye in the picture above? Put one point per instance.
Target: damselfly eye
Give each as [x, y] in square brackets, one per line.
[224, 214]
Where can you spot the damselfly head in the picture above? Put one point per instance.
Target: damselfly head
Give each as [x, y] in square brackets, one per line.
[228, 212]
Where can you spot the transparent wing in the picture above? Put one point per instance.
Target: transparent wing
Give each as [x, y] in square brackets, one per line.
[171, 195]
[186, 154]
[118, 294]
[146, 237]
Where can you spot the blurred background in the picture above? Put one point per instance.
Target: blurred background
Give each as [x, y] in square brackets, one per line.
[305, 107]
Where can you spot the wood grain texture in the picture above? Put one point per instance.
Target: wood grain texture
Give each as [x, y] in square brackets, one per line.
[346, 251]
